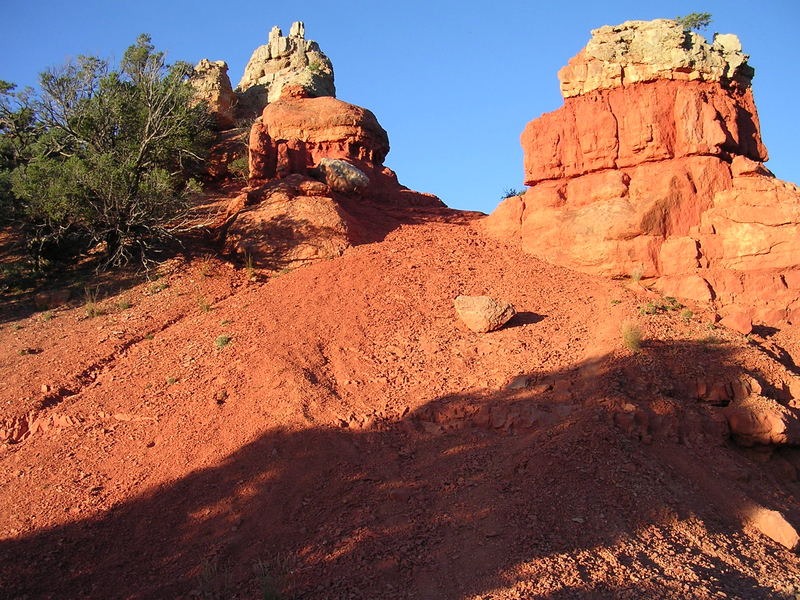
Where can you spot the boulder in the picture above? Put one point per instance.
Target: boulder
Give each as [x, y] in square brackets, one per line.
[774, 525]
[483, 313]
[300, 134]
[283, 61]
[762, 421]
[654, 164]
[297, 131]
[286, 224]
[341, 176]
[738, 320]
[212, 86]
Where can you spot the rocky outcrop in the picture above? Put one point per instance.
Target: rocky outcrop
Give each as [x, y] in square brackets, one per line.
[653, 164]
[295, 134]
[283, 61]
[314, 162]
[641, 51]
[212, 86]
[287, 223]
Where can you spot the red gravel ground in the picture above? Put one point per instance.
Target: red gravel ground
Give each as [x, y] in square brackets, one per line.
[336, 433]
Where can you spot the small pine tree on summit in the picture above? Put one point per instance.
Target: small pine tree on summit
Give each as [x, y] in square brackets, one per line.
[694, 21]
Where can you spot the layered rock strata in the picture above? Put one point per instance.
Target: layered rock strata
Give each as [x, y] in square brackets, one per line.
[653, 165]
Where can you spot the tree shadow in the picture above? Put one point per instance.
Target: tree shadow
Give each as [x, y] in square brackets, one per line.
[65, 284]
[471, 491]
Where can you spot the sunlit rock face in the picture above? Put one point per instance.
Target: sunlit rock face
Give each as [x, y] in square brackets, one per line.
[212, 86]
[284, 60]
[653, 164]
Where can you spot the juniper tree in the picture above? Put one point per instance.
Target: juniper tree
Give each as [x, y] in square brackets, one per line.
[115, 154]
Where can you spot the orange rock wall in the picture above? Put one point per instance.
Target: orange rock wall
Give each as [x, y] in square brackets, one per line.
[626, 126]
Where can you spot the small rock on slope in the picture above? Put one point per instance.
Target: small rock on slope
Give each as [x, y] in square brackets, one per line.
[483, 313]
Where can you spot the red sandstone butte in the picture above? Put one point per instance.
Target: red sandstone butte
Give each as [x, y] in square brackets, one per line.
[654, 164]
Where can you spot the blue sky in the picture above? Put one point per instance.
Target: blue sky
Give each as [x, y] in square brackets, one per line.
[454, 83]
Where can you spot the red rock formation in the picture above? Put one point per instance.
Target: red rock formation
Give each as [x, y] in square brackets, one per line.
[290, 216]
[287, 223]
[627, 126]
[296, 132]
[653, 164]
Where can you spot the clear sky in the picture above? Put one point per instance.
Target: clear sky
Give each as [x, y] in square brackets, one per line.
[454, 83]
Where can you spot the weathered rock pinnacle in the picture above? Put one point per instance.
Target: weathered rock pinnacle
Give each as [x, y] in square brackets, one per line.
[282, 61]
[212, 86]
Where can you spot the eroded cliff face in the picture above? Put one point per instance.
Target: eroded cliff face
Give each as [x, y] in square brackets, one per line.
[653, 164]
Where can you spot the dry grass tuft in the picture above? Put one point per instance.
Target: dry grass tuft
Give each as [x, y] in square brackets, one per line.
[631, 336]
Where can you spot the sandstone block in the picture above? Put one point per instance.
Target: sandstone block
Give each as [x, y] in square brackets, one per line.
[483, 313]
[775, 526]
[654, 162]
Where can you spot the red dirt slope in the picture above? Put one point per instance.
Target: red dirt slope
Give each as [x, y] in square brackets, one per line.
[354, 440]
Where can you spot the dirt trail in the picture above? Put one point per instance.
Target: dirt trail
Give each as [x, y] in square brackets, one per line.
[337, 429]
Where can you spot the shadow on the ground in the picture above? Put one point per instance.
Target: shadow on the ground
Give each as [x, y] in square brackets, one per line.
[525, 318]
[468, 493]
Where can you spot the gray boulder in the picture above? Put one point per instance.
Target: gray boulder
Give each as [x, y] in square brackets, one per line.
[341, 176]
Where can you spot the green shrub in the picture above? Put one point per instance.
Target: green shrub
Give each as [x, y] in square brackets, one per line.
[666, 304]
[112, 164]
[511, 192]
[694, 21]
[91, 302]
[240, 168]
